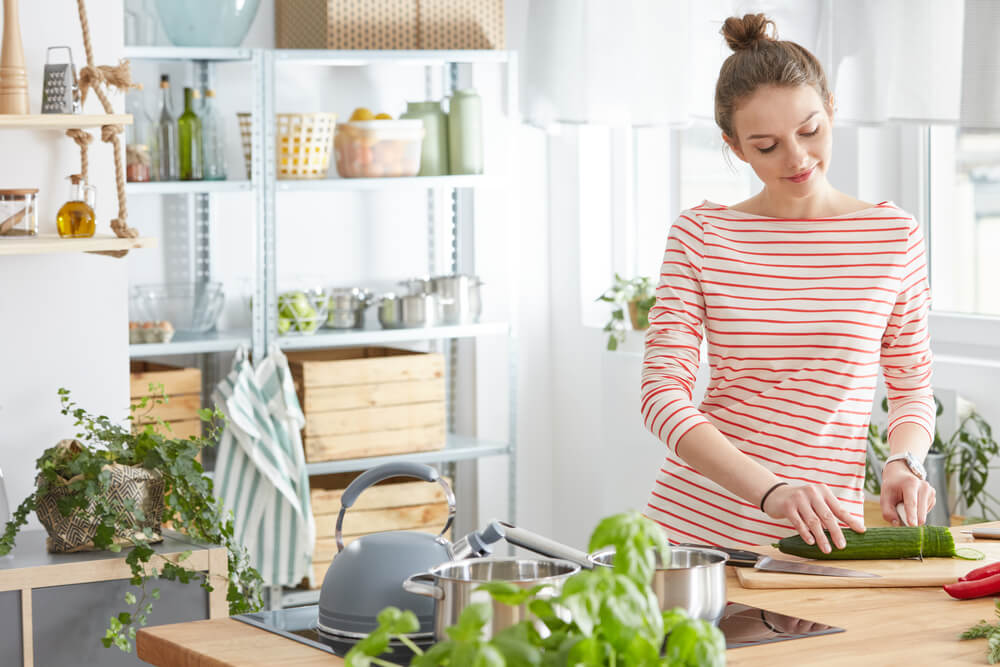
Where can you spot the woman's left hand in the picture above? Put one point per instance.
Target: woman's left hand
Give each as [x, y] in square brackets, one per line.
[900, 485]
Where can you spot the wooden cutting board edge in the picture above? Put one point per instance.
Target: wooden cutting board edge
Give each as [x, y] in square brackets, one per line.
[893, 573]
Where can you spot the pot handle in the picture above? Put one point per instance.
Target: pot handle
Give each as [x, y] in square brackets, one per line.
[417, 584]
[383, 472]
[544, 546]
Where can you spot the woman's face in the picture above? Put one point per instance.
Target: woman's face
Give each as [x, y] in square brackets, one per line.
[785, 135]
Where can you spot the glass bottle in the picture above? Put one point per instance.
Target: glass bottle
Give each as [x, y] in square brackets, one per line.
[465, 133]
[76, 217]
[213, 140]
[165, 153]
[434, 150]
[138, 139]
[189, 139]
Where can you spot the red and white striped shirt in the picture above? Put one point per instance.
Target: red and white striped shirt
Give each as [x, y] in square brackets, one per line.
[799, 315]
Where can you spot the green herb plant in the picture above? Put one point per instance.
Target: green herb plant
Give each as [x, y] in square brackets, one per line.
[990, 632]
[622, 292]
[190, 504]
[968, 452]
[604, 616]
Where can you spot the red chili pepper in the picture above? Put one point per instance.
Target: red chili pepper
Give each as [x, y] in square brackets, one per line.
[982, 572]
[975, 588]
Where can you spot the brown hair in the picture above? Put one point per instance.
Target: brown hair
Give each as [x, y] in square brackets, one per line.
[759, 60]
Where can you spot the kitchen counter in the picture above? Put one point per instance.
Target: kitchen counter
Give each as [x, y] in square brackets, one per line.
[884, 626]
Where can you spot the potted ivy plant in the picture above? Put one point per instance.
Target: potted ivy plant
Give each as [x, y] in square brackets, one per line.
[113, 485]
[965, 456]
[637, 295]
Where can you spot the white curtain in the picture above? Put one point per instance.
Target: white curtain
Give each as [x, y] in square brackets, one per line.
[981, 64]
[645, 62]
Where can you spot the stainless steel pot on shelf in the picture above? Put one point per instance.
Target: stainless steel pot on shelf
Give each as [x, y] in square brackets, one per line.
[347, 307]
[403, 311]
[461, 300]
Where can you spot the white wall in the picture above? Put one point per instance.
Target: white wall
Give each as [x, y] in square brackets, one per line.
[63, 319]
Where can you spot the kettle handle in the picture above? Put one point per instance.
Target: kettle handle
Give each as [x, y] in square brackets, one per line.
[383, 472]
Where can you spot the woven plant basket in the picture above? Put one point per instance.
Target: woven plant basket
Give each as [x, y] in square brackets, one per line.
[76, 531]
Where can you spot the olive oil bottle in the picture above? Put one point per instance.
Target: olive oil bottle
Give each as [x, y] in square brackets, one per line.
[189, 139]
[76, 217]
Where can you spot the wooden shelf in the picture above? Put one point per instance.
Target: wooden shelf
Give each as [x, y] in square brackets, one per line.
[48, 244]
[61, 121]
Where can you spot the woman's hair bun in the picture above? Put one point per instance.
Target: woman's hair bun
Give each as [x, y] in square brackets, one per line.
[745, 33]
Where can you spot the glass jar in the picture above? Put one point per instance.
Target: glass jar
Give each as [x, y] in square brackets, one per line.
[138, 139]
[434, 150]
[18, 212]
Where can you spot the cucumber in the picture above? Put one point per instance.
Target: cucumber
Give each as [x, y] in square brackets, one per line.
[879, 543]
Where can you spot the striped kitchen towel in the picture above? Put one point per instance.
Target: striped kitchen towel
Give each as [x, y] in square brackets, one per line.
[260, 471]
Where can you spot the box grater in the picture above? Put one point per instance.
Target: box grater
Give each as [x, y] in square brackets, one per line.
[60, 92]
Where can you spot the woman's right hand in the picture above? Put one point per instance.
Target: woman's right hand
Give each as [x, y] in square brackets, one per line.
[810, 508]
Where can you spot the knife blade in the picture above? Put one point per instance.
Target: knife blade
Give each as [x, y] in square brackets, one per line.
[744, 558]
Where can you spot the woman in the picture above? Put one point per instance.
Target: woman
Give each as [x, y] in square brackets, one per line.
[803, 293]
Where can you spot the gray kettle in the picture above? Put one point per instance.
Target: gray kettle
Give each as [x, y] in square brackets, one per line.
[368, 575]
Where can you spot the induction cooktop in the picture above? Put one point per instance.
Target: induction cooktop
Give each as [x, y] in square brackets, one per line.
[742, 625]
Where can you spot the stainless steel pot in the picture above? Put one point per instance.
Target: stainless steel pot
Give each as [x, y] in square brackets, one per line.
[347, 307]
[461, 302]
[694, 579]
[454, 585]
[402, 311]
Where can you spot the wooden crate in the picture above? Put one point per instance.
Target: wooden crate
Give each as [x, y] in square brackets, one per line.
[369, 401]
[183, 389]
[398, 503]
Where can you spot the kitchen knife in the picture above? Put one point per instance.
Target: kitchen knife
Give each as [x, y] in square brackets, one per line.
[743, 558]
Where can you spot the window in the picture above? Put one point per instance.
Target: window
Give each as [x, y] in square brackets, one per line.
[703, 172]
[964, 200]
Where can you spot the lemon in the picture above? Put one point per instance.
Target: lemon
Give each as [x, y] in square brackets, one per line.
[383, 116]
[362, 113]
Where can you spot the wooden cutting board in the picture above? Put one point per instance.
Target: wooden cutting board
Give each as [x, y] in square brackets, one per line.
[901, 572]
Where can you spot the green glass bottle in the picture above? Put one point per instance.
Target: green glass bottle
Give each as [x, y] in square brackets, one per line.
[189, 139]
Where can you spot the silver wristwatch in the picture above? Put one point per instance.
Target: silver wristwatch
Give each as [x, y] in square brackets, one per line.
[915, 466]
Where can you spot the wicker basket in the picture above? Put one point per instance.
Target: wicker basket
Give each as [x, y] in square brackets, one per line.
[303, 145]
[76, 532]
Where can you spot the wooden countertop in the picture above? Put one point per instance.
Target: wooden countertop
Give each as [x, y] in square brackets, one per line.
[884, 626]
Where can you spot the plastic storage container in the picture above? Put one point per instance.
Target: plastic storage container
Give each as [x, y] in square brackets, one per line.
[18, 212]
[373, 148]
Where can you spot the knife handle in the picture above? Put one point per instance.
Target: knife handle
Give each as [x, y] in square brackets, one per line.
[737, 557]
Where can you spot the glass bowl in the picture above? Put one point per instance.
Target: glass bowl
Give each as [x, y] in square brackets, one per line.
[189, 307]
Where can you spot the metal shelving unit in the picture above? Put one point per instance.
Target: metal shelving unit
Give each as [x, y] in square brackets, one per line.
[449, 234]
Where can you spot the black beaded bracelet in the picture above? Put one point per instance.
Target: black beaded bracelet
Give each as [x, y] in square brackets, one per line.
[768, 492]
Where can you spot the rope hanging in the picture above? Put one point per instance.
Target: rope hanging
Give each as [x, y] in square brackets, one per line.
[95, 78]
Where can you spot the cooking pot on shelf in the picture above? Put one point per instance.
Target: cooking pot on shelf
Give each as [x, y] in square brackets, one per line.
[347, 307]
[460, 299]
[368, 574]
[694, 579]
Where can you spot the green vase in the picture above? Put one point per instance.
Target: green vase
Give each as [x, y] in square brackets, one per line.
[434, 150]
[465, 133]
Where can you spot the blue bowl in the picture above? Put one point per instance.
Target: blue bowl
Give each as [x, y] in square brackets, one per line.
[207, 23]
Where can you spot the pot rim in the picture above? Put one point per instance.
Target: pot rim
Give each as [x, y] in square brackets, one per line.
[704, 550]
[573, 569]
